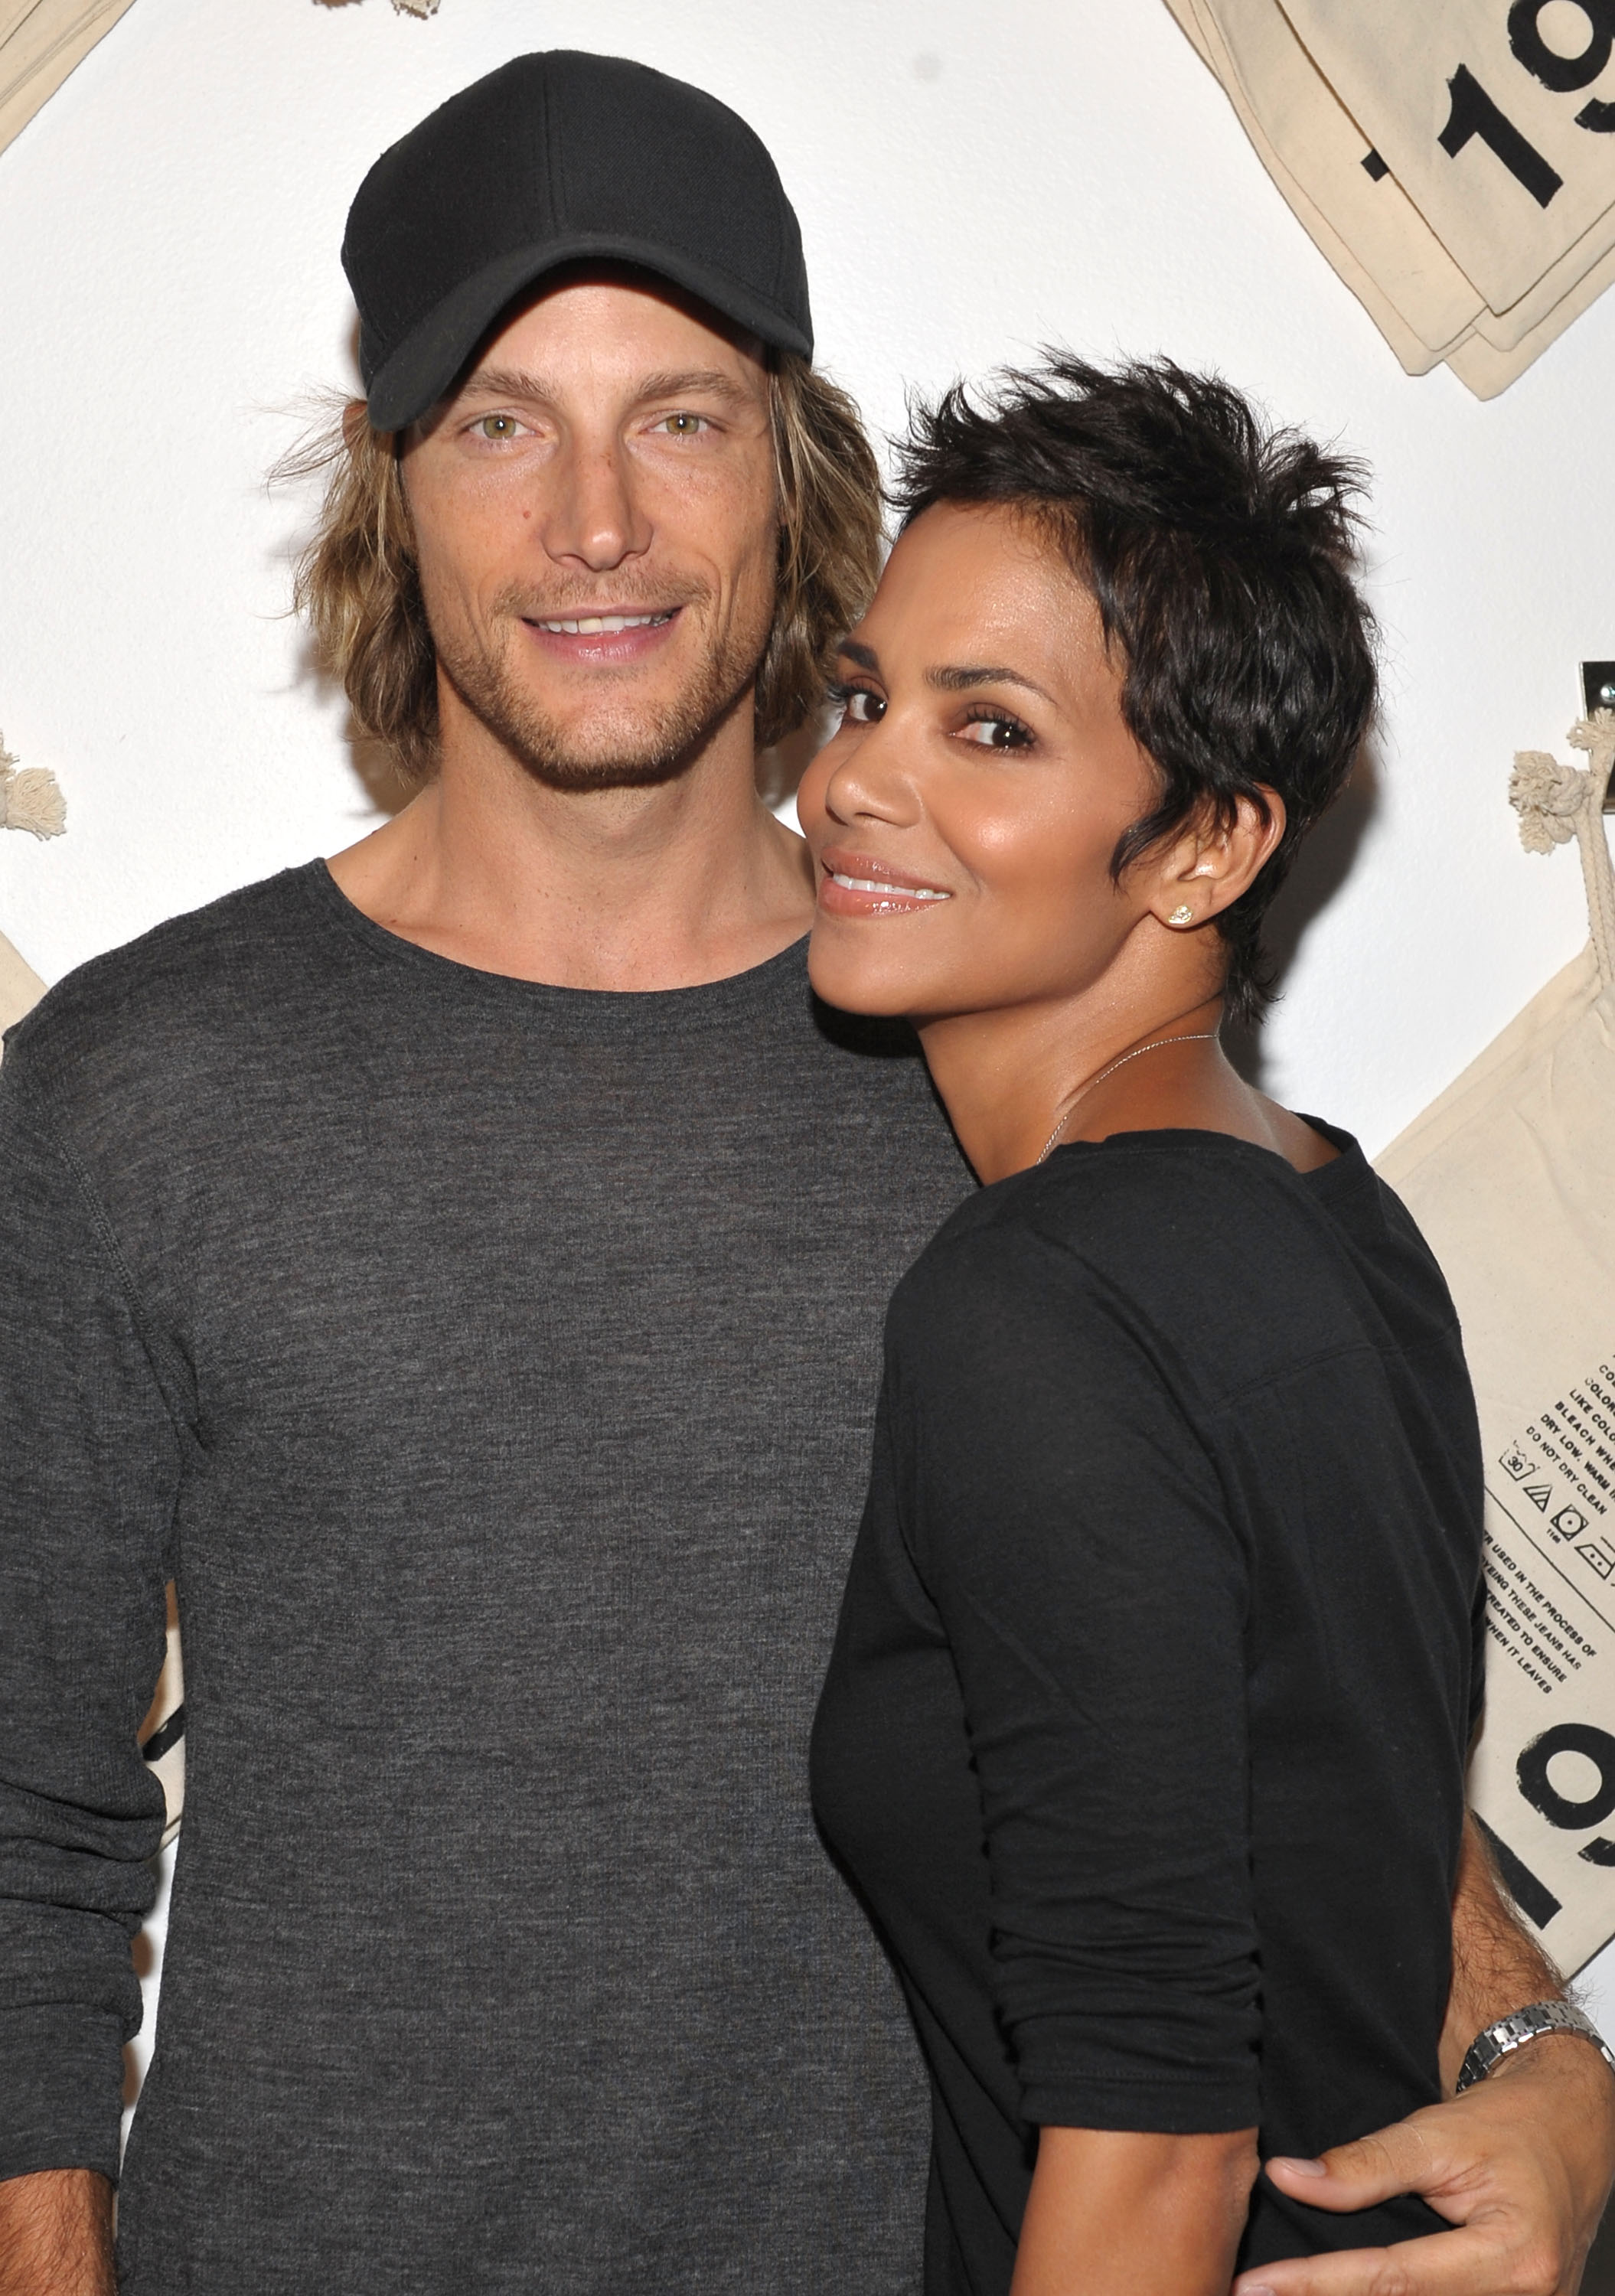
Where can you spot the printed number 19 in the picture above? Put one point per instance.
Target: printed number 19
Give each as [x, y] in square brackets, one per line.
[1473, 112]
[1561, 1809]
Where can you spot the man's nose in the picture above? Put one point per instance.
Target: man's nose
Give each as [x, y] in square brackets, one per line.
[592, 516]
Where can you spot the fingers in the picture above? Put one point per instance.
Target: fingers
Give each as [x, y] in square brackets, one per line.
[1481, 2260]
[1376, 2168]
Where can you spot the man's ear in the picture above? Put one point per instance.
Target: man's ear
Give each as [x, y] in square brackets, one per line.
[1206, 868]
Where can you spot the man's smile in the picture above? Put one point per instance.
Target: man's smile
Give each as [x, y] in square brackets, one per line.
[594, 625]
[609, 639]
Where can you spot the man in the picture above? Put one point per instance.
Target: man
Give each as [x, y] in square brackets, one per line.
[463, 1267]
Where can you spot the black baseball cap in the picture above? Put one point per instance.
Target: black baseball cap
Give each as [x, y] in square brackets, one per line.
[554, 158]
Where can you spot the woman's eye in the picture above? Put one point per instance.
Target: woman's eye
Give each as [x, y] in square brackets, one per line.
[496, 427]
[995, 732]
[860, 707]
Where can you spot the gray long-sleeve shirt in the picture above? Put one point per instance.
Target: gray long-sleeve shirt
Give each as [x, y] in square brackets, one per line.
[494, 1365]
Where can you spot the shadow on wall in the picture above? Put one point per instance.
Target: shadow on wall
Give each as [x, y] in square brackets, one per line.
[376, 770]
[779, 770]
[1324, 863]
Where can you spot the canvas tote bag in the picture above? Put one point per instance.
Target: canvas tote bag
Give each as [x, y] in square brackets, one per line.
[1511, 1173]
[40, 42]
[1454, 162]
[21, 987]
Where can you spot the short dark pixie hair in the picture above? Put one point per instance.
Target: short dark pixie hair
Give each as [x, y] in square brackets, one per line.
[1220, 553]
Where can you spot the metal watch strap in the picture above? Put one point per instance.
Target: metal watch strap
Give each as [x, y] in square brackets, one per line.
[1510, 2033]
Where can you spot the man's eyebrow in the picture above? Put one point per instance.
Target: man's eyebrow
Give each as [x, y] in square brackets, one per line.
[697, 382]
[963, 679]
[505, 383]
[690, 382]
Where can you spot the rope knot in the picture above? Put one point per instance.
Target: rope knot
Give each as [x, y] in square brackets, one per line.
[1548, 797]
[30, 798]
[1595, 733]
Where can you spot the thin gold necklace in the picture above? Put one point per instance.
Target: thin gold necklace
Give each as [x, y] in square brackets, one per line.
[1203, 1036]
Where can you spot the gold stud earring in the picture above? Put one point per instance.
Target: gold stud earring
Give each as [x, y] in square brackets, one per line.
[1182, 914]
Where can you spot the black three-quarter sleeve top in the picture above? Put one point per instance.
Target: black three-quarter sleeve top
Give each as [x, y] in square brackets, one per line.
[1144, 1731]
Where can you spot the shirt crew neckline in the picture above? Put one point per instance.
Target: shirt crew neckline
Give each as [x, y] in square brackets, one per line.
[620, 1012]
[1344, 1170]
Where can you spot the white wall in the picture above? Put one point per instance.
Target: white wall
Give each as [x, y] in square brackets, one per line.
[973, 179]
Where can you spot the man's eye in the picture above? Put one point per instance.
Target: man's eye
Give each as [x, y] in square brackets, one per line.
[682, 426]
[992, 730]
[497, 426]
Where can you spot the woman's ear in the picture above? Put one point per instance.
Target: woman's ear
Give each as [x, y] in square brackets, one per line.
[1211, 863]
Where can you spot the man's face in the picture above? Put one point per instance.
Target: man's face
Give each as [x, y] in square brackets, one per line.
[596, 525]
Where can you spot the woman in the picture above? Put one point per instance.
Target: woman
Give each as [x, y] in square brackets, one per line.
[1144, 1731]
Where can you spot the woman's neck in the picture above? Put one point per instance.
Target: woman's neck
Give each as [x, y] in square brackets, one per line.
[1018, 1082]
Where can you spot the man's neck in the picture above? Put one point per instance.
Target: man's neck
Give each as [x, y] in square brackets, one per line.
[620, 889]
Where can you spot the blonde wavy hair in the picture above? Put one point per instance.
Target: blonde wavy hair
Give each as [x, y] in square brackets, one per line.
[358, 584]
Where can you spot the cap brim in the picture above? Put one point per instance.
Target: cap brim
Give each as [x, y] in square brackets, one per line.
[427, 361]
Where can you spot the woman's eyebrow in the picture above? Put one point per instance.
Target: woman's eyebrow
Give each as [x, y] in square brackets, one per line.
[960, 680]
[866, 657]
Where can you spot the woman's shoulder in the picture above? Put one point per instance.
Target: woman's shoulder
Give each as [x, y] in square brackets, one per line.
[1092, 1199]
[1215, 1249]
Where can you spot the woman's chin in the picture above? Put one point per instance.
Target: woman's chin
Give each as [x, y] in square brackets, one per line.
[854, 985]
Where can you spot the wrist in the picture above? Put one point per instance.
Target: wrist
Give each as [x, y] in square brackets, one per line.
[1572, 2083]
[56, 2234]
[1529, 2029]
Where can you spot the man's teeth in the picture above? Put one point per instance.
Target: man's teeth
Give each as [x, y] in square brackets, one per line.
[595, 626]
[884, 885]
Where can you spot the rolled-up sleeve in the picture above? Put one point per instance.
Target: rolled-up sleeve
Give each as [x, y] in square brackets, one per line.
[89, 1468]
[1078, 1544]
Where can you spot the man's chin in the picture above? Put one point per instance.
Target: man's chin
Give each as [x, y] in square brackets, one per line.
[570, 770]
[606, 739]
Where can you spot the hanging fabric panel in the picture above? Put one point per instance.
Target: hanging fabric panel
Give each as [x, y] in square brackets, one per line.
[1511, 1173]
[1454, 162]
[41, 41]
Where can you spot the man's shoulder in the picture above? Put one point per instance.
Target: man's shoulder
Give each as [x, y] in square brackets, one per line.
[152, 1004]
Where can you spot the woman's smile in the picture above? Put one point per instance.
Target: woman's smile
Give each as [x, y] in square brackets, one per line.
[855, 885]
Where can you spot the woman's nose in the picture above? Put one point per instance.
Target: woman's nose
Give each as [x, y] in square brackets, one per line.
[875, 780]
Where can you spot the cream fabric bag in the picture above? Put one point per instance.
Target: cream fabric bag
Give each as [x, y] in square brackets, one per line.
[40, 42]
[1511, 1173]
[21, 987]
[1455, 162]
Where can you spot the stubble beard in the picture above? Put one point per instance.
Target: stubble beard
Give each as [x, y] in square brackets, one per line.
[621, 744]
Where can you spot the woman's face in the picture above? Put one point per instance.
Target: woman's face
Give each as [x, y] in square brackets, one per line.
[963, 817]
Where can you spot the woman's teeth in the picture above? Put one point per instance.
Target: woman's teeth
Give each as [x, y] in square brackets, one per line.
[595, 626]
[885, 885]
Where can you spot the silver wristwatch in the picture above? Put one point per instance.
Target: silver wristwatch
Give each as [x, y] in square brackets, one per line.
[1510, 2033]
